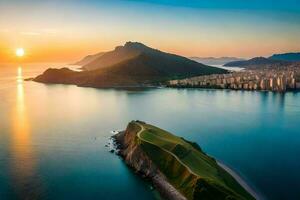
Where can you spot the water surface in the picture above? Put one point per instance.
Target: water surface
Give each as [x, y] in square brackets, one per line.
[52, 137]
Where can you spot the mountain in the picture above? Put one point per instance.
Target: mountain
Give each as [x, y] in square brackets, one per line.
[292, 57]
[131, 65]
[88, 59]
[257, 61]
[133, 50]
[215, 61]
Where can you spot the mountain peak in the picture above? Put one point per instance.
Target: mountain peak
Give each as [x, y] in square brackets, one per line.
[132, 46]
[136, 46]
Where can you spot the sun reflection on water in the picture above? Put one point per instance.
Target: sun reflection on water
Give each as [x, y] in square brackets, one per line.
[20, 75]
[23, 159]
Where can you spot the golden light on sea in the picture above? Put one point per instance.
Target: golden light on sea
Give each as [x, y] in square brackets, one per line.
[23, 162]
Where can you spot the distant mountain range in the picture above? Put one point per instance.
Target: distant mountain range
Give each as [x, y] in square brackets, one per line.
[215, 61]
[131, 65]
[252, 62]
[279, 59]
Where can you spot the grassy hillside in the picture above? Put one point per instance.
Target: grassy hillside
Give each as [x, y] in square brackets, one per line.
[187, 167]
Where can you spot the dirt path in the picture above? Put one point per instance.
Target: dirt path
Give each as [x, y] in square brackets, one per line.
[139, 136]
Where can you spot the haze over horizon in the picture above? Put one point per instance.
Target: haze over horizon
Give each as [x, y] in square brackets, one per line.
[64, 31]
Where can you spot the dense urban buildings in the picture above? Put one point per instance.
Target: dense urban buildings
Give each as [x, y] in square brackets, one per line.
[273, 78]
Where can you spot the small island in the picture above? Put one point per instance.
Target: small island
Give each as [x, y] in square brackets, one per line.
[177, 168]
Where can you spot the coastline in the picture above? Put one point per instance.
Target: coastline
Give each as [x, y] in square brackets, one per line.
[138, 87]
[241, 181]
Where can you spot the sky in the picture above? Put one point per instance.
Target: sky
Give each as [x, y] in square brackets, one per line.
[66, 30]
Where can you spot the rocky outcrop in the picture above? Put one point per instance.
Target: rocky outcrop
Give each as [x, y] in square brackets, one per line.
[136, 158]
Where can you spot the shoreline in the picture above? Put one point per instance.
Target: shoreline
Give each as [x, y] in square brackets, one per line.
[241, 181]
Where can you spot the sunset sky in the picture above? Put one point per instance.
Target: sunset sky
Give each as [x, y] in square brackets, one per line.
[64, 31]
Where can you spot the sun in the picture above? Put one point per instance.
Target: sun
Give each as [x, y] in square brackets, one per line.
[20, 52]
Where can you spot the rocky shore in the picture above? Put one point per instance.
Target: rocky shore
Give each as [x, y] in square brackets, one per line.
[134, 157]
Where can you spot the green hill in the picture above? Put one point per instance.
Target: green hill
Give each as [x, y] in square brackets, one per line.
[192, 172]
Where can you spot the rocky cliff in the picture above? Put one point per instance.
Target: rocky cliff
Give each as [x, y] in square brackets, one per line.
[136, 158]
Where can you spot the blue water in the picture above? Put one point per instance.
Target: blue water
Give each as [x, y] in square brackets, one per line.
[52, 137]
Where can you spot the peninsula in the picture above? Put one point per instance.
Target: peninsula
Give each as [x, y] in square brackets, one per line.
[179, 169]
[131, 65]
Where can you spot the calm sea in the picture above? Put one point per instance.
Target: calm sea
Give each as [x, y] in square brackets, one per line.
[52, 137]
